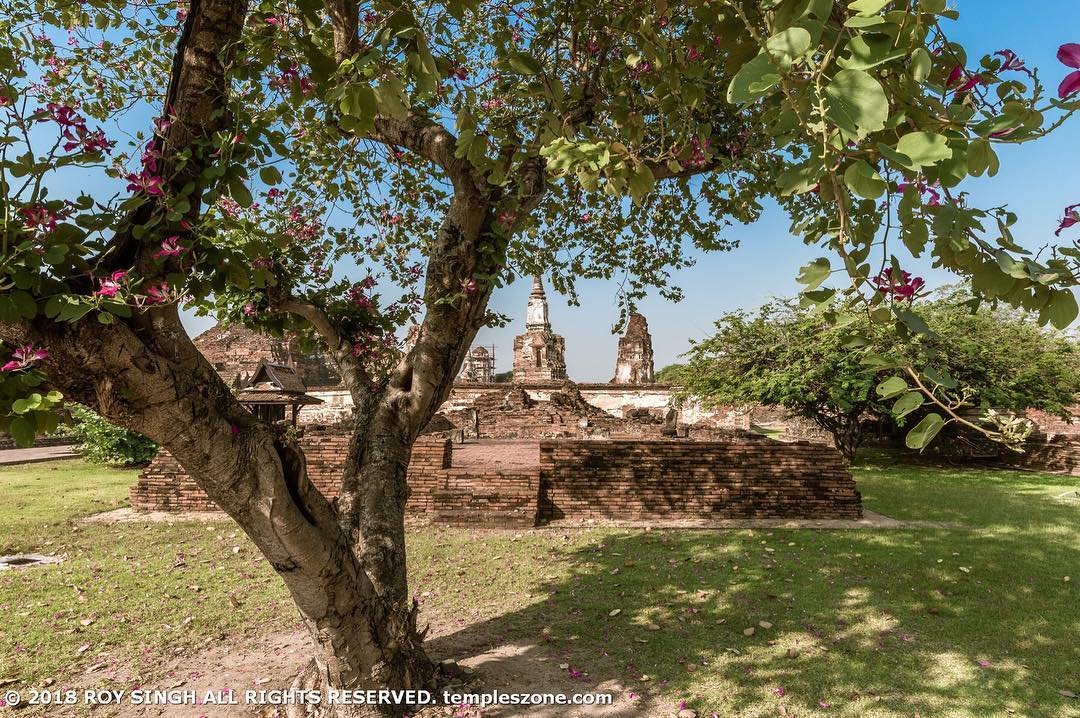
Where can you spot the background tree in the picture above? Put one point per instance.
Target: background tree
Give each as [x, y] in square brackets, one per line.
[408, 159]
[785, 355]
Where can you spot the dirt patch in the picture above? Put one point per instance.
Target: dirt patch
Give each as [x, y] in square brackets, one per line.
[271, 661]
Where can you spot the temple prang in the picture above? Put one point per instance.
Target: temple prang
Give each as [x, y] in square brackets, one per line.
[634, 362]
[539, 353]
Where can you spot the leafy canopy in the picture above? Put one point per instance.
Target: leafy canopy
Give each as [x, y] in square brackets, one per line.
[602, 139]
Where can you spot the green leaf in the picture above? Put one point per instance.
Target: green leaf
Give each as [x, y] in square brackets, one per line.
[864, 180]
[920, 65]
[924, 432]
[239, 191]
[924, 148]
[1061, 310]
[388, 97]
[865, 52]
[914, 322]
[982, 158]
[22, 430]
[524, 63]
[753, 81]
[801, 178]
[906, 404]
[867, 7]
[856, 103]
[814, 273]
[893, 386]
[270, 175]
[788, 45]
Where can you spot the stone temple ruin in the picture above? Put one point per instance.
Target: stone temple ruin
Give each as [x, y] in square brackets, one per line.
[542, 448]
[634, 363]
[539, 354]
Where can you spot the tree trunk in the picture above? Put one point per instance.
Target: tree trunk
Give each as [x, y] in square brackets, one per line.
[846, 437]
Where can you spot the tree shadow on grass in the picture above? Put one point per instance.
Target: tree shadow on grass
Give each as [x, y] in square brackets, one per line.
[857, 623]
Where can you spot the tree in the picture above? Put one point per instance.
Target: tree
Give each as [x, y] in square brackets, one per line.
[407, 160]
[789, 357]
[786, 355]
[670, 373]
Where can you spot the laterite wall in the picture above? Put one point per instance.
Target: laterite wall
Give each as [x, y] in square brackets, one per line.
[693, 480]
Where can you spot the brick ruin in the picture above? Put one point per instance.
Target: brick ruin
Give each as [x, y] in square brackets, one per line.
[539, 354]
[634, 361]
[236, 353]
[524, 484]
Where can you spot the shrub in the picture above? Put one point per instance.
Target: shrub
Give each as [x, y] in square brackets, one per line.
[103, 443]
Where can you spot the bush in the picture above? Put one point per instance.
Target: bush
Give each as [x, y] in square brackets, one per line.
[103, 443]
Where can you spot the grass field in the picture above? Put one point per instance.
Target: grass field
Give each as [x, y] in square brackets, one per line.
[966, 614]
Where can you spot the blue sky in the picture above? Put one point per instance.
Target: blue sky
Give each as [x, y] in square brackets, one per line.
[1037, 182]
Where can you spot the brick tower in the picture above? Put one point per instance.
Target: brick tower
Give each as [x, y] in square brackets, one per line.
[539, 354]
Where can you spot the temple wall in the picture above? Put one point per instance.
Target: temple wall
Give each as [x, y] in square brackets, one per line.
[576, 480]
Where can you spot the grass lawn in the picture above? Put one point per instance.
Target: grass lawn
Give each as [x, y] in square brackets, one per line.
[967, 615]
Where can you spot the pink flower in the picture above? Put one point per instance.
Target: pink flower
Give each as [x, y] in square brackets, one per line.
[157, 293]
[249, 309]
[469, 285]
[823, 704]
[507, 219]
[959, 73]
[170, 247]
[902, 290]
[24, 356]
[693, 54]
[779, 691]
[1012, 62]
[275, 21]
[110, 286]
[87, 141]
[145, 181]
[1072, 217]
[38, 218]
[1069, 55]
[460, 72]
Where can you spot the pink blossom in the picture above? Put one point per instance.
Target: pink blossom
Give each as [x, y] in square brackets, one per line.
[170, 247]
[903, 289]
[823, 704]
[693, 54]
[958, 73]
[779, 691]
[157, 293]
[24, 356]
[507, 219]
[145, 181]
[1071, 218]
[275, 21]
[469, 285]
[1069, 55]
[249, 309]
[460, 72]
[110, 286]
[38, 218]
[1012, 62]
[87, 141]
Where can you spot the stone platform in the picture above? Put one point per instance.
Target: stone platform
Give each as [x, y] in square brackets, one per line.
[518, 484]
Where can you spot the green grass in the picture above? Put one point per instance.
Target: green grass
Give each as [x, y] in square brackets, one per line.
[37, 498]
[965, 615]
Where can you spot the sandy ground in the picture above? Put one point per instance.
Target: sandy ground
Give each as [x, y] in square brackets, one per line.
[271, 661]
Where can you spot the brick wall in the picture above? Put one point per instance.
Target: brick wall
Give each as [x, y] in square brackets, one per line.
[1047, 454]
[578, 479]
[165, 486]
[690, 479]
